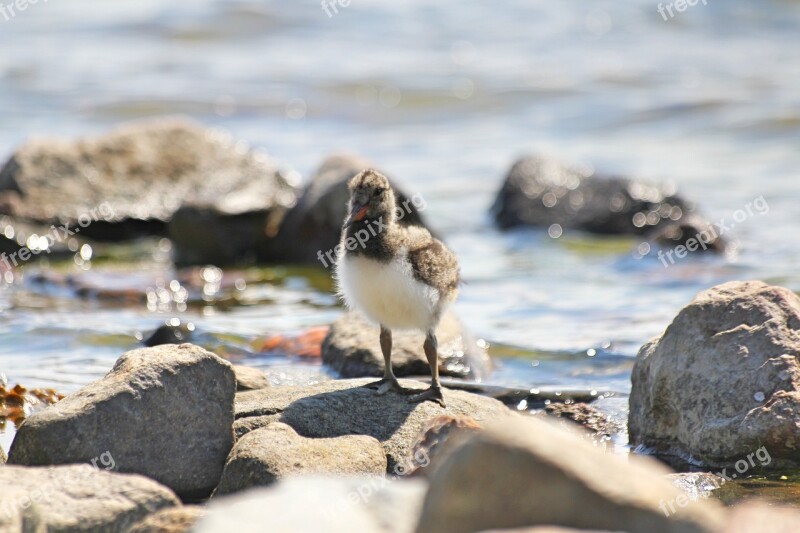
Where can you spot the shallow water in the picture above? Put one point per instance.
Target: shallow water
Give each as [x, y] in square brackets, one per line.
[444, 96]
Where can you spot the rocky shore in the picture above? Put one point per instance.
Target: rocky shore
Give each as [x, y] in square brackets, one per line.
[177, 438]
[194, 442]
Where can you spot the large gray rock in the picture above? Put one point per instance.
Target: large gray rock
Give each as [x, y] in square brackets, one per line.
[164, 412]
[541, 191]
[269, 454]
[344, 407]
[527, 472]
[315, 223]
[723, 380]
[132, 180]
[172, 520]
[361, 504]
[76, 498]
[352, 348]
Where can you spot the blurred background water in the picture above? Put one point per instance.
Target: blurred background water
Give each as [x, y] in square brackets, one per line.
[444, 96]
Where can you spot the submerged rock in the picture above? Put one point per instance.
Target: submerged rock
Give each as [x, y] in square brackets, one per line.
[344, 407]
[363, 504]
[179, 519]
[352, 348]
[163, 412]
[722, 384]
[77, 498]
[540, 191]
[269, 454]
[131, 181]
[315, 223]
[170, 334]
[526, 472]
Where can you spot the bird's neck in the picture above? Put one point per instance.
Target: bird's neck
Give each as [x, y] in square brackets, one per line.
[370, 238]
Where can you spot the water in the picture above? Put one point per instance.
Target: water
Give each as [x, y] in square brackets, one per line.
[444, 96]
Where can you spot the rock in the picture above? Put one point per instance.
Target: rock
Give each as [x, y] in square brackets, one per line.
[352, 348]
[746, 417]
[681, 233]
[269, 454]
[131, 181]
[697, 485]
[344, 407]
[544, 529]
[596, 422]
[3, 456]
[163, 412]
[526, 472]
[170, 333]
[540, 191]
[77, 498]
[333, 505]
[173, 520]
[315, 223]
[249, 378]
[439, 435]
[759, 517]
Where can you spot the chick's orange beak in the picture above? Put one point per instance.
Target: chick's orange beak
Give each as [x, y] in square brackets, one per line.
[356, 215]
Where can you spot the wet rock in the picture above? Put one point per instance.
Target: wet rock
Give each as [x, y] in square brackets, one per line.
[130, 182]
[540, 191]
[315, 223]
[438, 435]
[249, 378]
[352, 348]
[681, 404]
[77, 498]
[691, 231]
[179, 519]
[526, 472]
[759, 517]
[275, 452]
[163, 412]
[585, 416]
[697, 485]
[344, 407]
[365, 504]
[170, 334]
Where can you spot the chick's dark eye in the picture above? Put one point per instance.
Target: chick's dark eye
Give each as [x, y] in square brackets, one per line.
[380, 191]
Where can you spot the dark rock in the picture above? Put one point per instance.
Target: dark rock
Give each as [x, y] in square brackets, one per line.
[315, 223]
[681, 233]
[352, 348]
[585, 416]
[683, 404]
[173, 520]
[249, 378]
[344, 407]
[170, 334]
[540, 191]
[269, 454]
[77, 498]
[526, 472]
[130, 181]
[163, 412]
[363, 504]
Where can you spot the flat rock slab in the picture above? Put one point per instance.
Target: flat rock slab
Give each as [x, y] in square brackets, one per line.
[164, 412]
[352, 348]
[524, 472]
[344, 407]
[722, 384]
[269, 454]
[139, 173]
[77, 498]
[349, 504]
